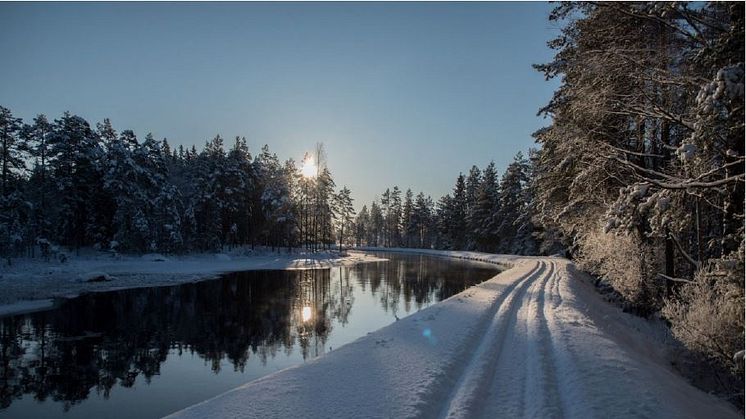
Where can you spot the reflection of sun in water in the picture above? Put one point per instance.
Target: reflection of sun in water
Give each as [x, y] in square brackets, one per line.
[309, 168]
[306, 314]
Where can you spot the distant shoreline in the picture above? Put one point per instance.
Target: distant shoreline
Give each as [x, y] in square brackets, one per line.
[32, 284]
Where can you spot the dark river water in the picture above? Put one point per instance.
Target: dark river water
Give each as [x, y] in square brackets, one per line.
[147, 352]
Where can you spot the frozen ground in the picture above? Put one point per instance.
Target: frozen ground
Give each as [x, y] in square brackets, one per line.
[534, 341]
[31, 284]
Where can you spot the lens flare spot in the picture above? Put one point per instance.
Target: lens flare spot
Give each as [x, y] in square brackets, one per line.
[428, 334]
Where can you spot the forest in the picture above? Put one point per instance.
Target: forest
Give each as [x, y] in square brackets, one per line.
[484, 213]
[639, 178]
[94, 187]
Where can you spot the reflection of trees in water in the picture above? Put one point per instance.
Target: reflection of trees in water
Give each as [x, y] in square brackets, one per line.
[418, 280]
[343, 293]
[102, 339]
[99, 340]
[313, 311]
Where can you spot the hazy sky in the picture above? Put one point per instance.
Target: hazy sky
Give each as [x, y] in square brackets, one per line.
[400, 93]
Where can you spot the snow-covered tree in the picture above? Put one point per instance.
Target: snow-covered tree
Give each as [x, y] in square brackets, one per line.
[362, 224]
[408, 226]
[473, 181]
[344, 214]
[11, 147]
[76, 163]
[484, 214]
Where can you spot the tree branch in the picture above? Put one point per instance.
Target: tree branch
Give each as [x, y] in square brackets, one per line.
[683, 252]
[670, 278]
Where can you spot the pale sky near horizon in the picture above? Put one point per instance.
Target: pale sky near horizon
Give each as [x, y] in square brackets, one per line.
[406, 94]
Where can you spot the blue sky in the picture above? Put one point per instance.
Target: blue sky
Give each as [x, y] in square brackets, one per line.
[406, 94]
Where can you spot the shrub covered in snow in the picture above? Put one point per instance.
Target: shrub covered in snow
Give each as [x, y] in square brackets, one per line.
[621, 261]
[708, 314]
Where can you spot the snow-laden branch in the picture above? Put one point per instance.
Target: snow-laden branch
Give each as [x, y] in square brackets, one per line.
[674, 182]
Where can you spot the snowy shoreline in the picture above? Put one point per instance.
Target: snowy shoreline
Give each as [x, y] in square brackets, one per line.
[33, 285]
[535, 340]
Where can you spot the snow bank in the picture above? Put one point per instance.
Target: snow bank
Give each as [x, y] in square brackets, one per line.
[95, 276]
[534, 341]
[36, 279]
[21, 307]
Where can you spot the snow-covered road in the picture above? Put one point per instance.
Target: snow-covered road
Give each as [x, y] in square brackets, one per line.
[534, 341]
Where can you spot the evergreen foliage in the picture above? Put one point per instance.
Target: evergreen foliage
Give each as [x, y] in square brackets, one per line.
[111, 191]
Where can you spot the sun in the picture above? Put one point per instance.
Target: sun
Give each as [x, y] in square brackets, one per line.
[306, 314]
[309, 169]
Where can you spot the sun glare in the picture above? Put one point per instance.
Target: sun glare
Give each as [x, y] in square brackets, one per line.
[309, 168]
[306, 314]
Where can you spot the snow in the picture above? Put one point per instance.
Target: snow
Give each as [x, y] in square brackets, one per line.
[535, 341]
[36, 279]
[20, 307]
[96, 276]
[686, 151]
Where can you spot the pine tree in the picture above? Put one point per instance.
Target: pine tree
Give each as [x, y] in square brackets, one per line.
[386, 212]
[37, 137]
[11, 147]
[239, 183]
[362, 226]
[444, 223]
[376, 232]
[457, 215]
[75, 161]
[120, 181]
[472, 189]
[393, 217]
[344, 213]
[484, 215]
[325, 193]
[511, 204]
[409, 228]
[423, 221]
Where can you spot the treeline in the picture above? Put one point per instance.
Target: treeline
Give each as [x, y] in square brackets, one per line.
[67, 183]
[642, 168]
[484, 213]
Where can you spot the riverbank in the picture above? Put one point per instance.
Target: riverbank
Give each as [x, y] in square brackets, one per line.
[33, 284]
[536, 340]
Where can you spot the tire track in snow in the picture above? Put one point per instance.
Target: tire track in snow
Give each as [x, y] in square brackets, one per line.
[447, 389]
[572, 383]
[522, 384]
[476, 377]
[540, 397]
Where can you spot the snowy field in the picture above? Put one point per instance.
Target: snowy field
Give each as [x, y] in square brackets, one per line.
[31, 284]
[534, 341]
